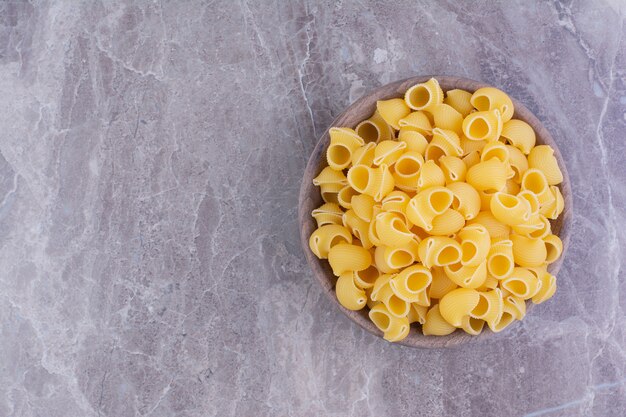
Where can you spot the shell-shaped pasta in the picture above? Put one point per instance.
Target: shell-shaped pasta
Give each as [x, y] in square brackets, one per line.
[363, 206]
[472, 326]
[376, 182]
[446, 117]
[371, 232]
[406, 170]
[401, 257]
[396, 305]
[348, 294]
[500, 261]
[343, 142]
[554, 248]
[453, 168]
[447, 223]
[435, 324]
[392, 230]
[418, 121]
[427, 204]
[511, 187]
[490, 98]
[554, 207]
[457, 304]
[364, 155]
[542, 157]
[475, 244]
[396, 201]
[467, 276]
[374, 129]
[327, 213]
[358, 227]
[517, 162]
[522, 283]
[466, 199]
[532, 200]
[417, 313]
[491, 283]
[392, 111]
[330, 176]
[490, 306]
[482, 125]
[327, 236]
[444, 142]
[510, 209]
[439, 251]
[415, 141]
[388, 151]
[535, 181]
[487, 175]
[366, 278]
[537, 227]
[378, 292]
[345, 257]
[471, 145]
[430, 175]
[496, 229]
[441, 284]
[386, 183]
[344, 196]
[330, 192]
[485, 199]
[424, 96]
[528, 251]
[381, 262]
[548, 288]
[393, 328]
[515, 306]
[496, 150]
[471, 159]
[459, 100]
[519, 134]
[409, 282]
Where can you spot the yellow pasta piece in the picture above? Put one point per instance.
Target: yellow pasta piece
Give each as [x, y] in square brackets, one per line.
[396, 306]
[388, 151]
[444, 142]
[427, 204]
[469, 146]
[532, 200]
[330, 176]
[364, 155]
[517, 162]
[415, 141]
[542, 157]
[548, 288]
[349, 295]
[496, 229]
[410, 282]
[344, 257]
[490, 175]
[417, 313]
[393, 328]
[537, 227]
[482, 125]
[439, 251]
[500, 261]
[446, 117]
[453, 168]
[392, 111]
[466, 199]
[344, 197]
[457, 304]
[519, 134]
[376, 182]
[424, 96]
[528, 251]
[401, 257]
[490, 306]
[343, 143]
[327, 213]
[325, 237]
[490, 98]
[467, 276]
[366, 278]
[554, 248]
[358, 227]
[471, 159]
[406, 170]
[459, 100]
[447, 223]
[435, 324]
[475, 244]
[472, 326]
[441, 284]
[392, 230]
[535, 181]
[417, 121]
[496, 150]
[555, 205]
[430, 175]
[374, 129]
[522, 283]
[510, 209]
[363, 206]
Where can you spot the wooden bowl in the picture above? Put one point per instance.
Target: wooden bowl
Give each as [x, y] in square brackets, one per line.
[310, 199]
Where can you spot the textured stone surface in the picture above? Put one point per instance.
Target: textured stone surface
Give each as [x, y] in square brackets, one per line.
[150, 160]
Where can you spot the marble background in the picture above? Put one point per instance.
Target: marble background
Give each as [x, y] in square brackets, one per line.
[150, 161]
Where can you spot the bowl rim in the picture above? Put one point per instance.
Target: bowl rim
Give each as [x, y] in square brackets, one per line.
[316, 162]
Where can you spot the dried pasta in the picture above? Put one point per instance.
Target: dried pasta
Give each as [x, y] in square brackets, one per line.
[437, 213]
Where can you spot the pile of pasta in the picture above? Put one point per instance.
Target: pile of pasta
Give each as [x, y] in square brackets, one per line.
[437, 212]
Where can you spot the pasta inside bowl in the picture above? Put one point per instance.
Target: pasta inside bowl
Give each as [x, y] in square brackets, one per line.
[479, 197]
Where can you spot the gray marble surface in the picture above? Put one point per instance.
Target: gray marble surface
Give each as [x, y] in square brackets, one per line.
[150, 161]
